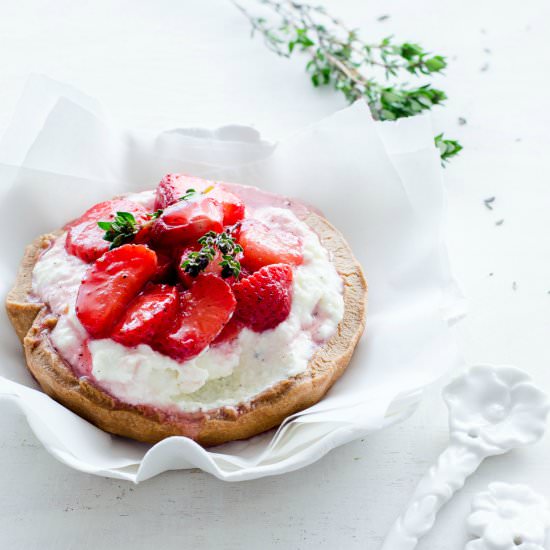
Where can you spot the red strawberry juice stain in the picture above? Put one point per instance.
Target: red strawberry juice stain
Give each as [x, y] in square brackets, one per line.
[85, 362]
[78, 358]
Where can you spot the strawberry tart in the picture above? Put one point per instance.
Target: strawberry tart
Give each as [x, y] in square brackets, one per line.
[205, 309]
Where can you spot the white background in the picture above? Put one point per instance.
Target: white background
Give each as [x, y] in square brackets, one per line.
[194, 61]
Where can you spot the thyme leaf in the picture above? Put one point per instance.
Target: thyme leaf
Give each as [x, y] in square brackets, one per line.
[121, 230]
[189, 193]
[448, 148]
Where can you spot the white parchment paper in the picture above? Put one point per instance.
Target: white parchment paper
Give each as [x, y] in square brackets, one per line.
[379, 183]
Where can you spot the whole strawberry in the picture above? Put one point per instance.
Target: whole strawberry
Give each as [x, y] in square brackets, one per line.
[264, 298]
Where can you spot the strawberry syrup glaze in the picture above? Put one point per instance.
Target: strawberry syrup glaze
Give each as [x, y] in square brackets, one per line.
[229, 371]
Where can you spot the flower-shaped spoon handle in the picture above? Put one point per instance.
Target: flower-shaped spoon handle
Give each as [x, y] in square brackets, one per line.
[509, 517]
[491, 411]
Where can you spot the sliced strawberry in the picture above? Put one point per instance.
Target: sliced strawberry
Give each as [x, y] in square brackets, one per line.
[213, 267]
[165, 267]
[264, 298]
[148, 314]
[143, 236]
[165, 194]
[235, 231]
[187, 221]
[229, 332]
[183, 276]
[204, 310]
[233, 207]
[85, 237]
[264, 246]
[174, 186]
[110, 284]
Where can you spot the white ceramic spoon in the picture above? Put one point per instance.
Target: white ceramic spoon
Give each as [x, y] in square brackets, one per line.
[508, 517]
[491, 411]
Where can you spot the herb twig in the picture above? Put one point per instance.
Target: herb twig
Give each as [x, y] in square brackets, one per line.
[211, 242]
[121, 230]
[339, 57]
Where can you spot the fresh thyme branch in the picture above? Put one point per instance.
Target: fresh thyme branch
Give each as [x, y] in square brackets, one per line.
[121, 230]
[211, 242]
[339, 57]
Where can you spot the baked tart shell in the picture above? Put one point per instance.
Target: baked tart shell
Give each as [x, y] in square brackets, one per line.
[33, 323]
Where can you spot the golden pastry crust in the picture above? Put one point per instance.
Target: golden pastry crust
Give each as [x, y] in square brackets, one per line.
[33, 322]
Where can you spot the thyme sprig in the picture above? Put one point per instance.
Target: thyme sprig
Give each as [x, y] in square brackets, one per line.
[189, 193]
[340, 58]
[211, 242]
[121, 230]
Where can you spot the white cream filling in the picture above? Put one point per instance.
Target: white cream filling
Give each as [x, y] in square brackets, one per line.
[222, 375]
[57, 276]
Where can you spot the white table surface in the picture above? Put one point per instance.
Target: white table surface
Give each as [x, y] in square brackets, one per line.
[179, 62]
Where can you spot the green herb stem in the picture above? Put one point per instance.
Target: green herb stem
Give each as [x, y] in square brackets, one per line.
[210, 243]
[338, 57]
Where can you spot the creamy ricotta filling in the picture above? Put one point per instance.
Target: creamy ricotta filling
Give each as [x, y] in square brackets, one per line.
[226, 374]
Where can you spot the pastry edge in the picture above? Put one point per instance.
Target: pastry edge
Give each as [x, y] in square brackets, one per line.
[32, 323]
